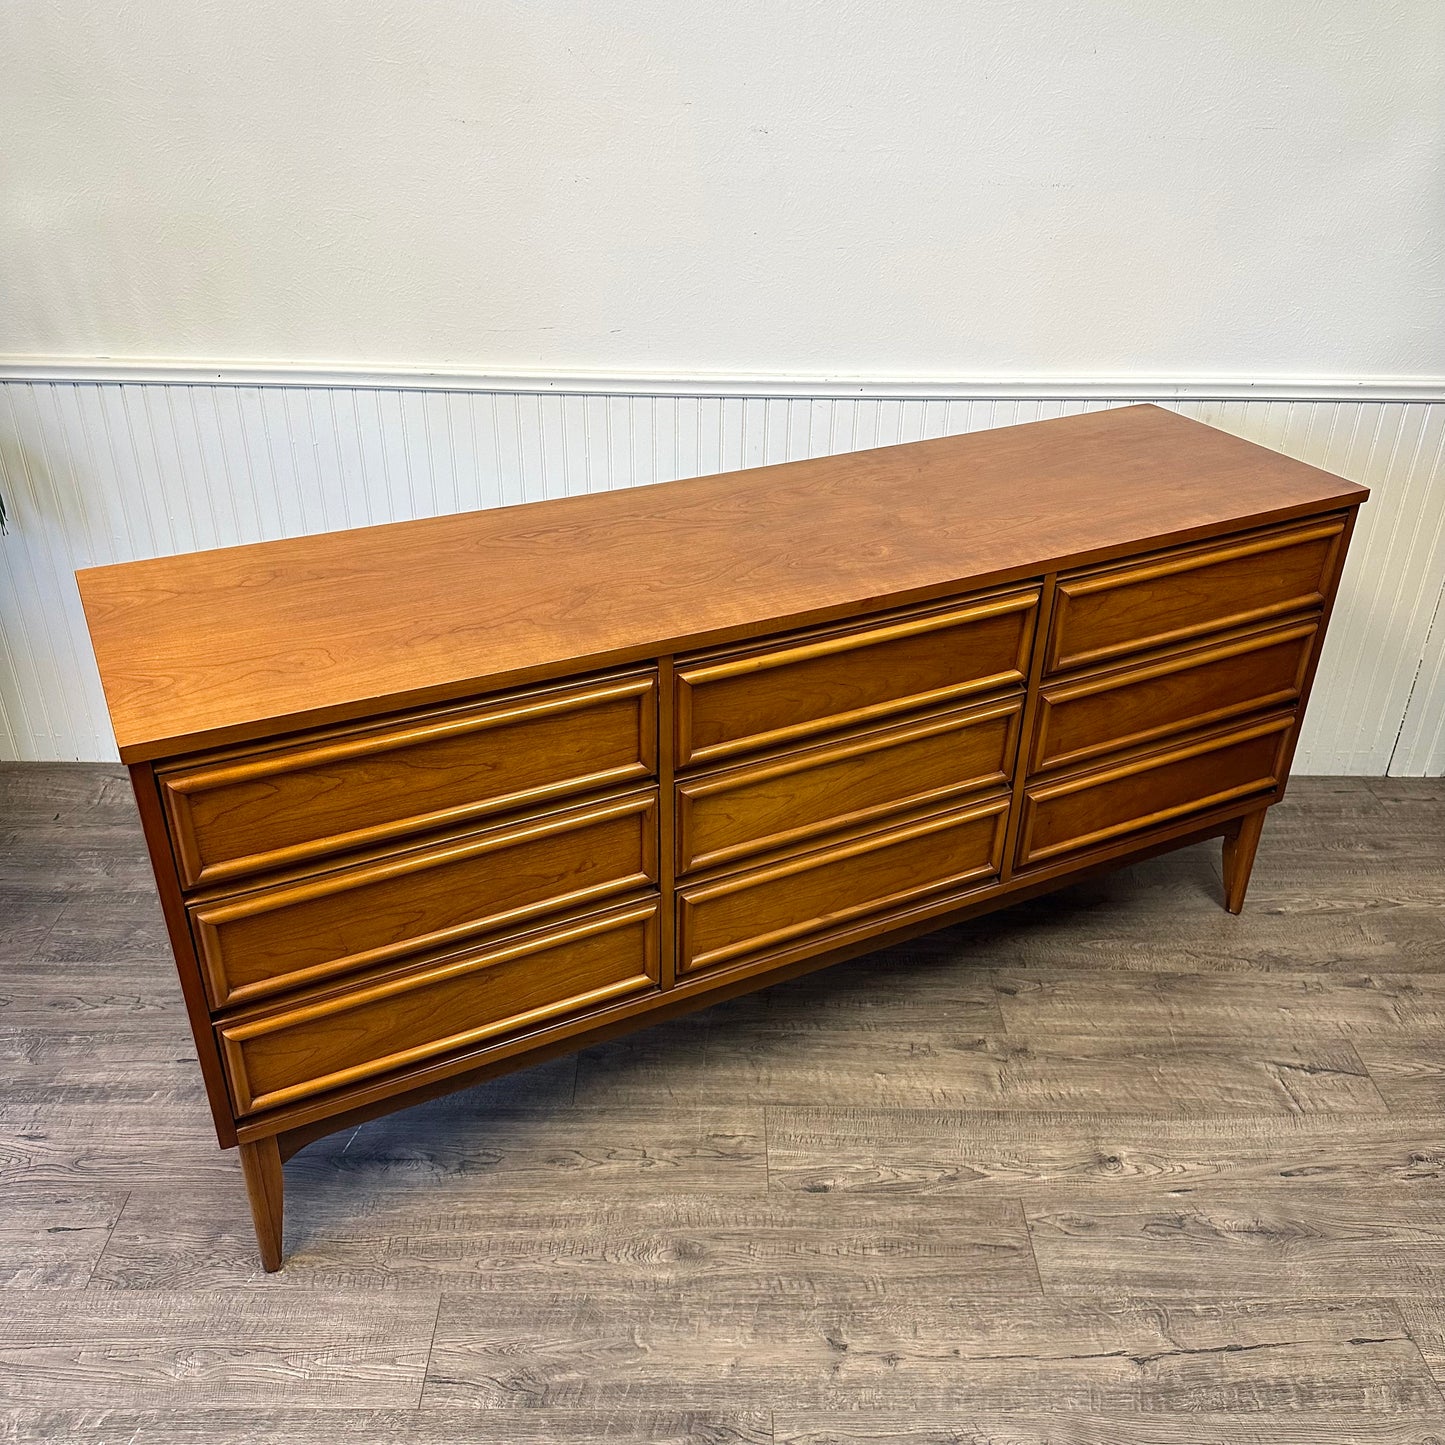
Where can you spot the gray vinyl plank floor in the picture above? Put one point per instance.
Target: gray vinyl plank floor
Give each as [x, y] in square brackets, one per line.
[1109, 1167]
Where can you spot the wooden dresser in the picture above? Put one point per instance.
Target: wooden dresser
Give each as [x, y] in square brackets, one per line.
[432, 801]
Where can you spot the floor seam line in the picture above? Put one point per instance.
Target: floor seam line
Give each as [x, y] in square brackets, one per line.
[1033, 1253]
[767, 1149]
[431, 1345]
[109, 1238]
[1430, 1374]
[54, 924]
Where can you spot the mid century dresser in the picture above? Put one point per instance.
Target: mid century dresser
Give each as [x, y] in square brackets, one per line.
[431, 801]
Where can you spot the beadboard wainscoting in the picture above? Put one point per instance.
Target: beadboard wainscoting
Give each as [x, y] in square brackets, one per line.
[98, 470]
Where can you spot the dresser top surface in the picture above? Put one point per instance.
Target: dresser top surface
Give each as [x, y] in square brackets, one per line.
[243, 642]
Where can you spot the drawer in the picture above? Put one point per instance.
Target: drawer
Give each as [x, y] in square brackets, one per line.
[1128, 706]
[424, 899]
[458, 1003]
[760, 912]
[249, 812]
[1152, 789]
[1107, 611]
[780, 801]
[818, 682]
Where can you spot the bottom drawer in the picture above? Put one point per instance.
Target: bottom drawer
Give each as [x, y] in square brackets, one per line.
[1149, 790]
[762, 910]
[288, 1054]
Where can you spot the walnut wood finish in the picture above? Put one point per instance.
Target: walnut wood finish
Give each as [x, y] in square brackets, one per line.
[265, 1189]
[250, 812]
[783, 800]
[829, 722]
[1145, 789]
[750, 914]
[385, 1023]
[308, 1120]
[299, 933]
[765, 696]
[193, 988]
[1240, 844]
[1032, 706]
[250, 642]
[1104, 612]
[1124, 707]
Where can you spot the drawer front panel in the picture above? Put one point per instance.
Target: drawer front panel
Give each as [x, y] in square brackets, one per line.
[1089, 809]
[514, 984]
[1106, 612]
[1129, 706]
[758, 912]
[299, 933]
[779, 802]
[774, 695]
[250, 813]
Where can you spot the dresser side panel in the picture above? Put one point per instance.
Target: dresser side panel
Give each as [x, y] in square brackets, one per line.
[1312, 666]
[193, 989]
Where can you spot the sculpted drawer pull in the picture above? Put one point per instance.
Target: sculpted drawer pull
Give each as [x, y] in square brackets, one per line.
[768, 697]
[261, 811]
[355, 1034]
[1107, 612]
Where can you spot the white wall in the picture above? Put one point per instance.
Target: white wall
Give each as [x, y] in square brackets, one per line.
[519, 249]
[1084, 187]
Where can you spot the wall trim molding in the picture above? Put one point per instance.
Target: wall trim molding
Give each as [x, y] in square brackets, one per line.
[101, 370]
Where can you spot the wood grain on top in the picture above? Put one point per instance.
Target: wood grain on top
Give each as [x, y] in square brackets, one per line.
[220, 646]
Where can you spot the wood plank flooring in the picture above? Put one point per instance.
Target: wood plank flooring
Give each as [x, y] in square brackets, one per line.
[1112, 1168]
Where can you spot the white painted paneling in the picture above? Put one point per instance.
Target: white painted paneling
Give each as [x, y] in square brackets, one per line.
[101, 472]
[860, 186]
[1393, 580]
[1421, 748]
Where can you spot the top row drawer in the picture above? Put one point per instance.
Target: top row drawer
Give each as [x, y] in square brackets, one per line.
[772, 694]
[1105, 612]
[241, 813]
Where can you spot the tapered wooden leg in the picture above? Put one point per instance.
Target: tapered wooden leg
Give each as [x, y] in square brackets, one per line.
[261, 1164]
[1239, 848]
